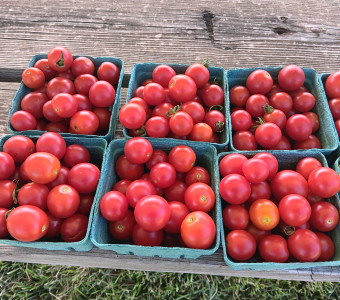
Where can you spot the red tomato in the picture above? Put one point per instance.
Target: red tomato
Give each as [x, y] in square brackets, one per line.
[139, 92]
[33, 194]
[198, 230]
[183, 158]
[264, 214]
[324, 217]
[156, 157]
[259, 190]
[244, 140]
[306, 165]
[102, 94]
[113, 206]
[44, 66]
[3, 228]
[86, 201]
[176, 191]
[181, 123]
[76, 154]
[197, 174]
[64, 105]
[235, 189]
[182, 88]
[235, 217]
[300, 90]
[33, 103]
[159, 191]
[327, 247]
[275, 89]
[84, 177]
[139, 189]
[238, 95]
[304, 102]
[50, 114]
[199, 197]
[132, 116]
[109, 72]
[274, 248]
[240, 245]
[178, 212]
[311, 142]
[143, 237]
[60, 59]
[54, 228]
[63, 201]
[294, 210]
[154, 94]
[215, 119]
[268, 135]
[122, 229]
[162, 75]
[282, 101]
[33, 78]
[212, 95]
[255, 170]
[332, 85]
[127, 170]
[195, 110]
[288, 182]
[255, 105]
[84, 122]
[277, 117]
[257, 234]
[19, 147]
[199, 73]
[82, 65]
[104, 117]
[291, 77]
[240, 120]
[152, 213]
[304, 245]
[232, 164]
[23, 120]
[163, 175]
[74, 228]
[59, 85]
[259, 82]
[83, 83]
[53, 143]
[157, 127]
[42, 167]
[7, 188]
[271, 161]
[27, 223]
[162, 109]
[324, 182]
[138, 150]
[68, 74]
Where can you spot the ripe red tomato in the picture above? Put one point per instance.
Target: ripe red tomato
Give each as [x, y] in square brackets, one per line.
[327, 247]
[238, 95]
[294, 210]
[33, 194]
[197, 174]
[162, 75]
[154, 93]
[63, 201]
[121, 186]
[3, 228]
[306, 165]
[104, 117]
[275, 89]
[268, 135]
[240, 245]
[274, 248]
[152, 213]
[128, 170]
[235, 189]
[199, 197]
[176, 191]
[86, 201]
[113, 206]
[156, 157]
[23, 120]
[178, 212]
[259, 190]
[50, 114]
[19, 147]
[83, 83]
[132, 116]
[33, 78]
[324, 217]
[27, 223]
[277, 117]
[74, 228]
[232, 164]
[7, 188]
[257, 234]
[212, 95]
[138, 150]
[304, 245]
[235, 217]
[163, 175]
[161, 109]
[240, 120]
[199, 73]
[142, 237]
[59, 85]
[76, 154]
[84, 122]
[195, 110]
[244, 140]
[84, 177]
[255, 170]
[198, 230]
[259, 82]
[324, 182]
[291, 77]
[64, 105]
[53, 143]
[255, 105]
[183, 158]
[264, 214]
[60, 59]
[139, 189]
[54, 228]
[271, 161]
[42, 167]
[304, 102]
[122, 229]
[82, 65]
[157, 127]
[332, 85]
[288, 182]
[181, 123]
[44, 66]
[102, 94]
[33, 103]
[109, 72]
[282, 101]
[311, 142]
[182, 88]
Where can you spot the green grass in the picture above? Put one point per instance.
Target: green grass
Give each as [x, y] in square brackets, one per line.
[32, 281]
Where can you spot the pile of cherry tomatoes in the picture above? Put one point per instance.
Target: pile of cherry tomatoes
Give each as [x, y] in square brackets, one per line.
[183, 106]
[284, 215]
[160, 198]
[67, 96]
[274, 116]
[46, 189]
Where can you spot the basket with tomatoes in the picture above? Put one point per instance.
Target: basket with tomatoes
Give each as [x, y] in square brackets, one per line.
[48, 184]
[279, 211]
[279, 109]
[158, 198]
[70, 95]
[178, 102]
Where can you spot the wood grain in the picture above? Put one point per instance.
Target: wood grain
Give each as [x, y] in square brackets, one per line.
[232, 34]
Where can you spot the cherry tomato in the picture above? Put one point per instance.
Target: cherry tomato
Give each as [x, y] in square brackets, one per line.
[197, 174]
[113, 206]
[268, 135]
[128, 170]
[235, 189]
[54, 228]
[244, 140]
[74, 228]
[104, 117]
[64, 105]
[291, 77]
[240, 245]
[60, 59]
[176, 191]
[19, 147]
[181, 123]
[304, 245]
[138, 150]
[259, 82]
[162, 75]
[264, 214]
[300, 90]
[324, 182]
[259, 190]
[257, 234]
[232, 164]
[122, 229]
[157, 127]
[102, 94]
[67, 74]
[76, 154]
[304, 102]
[3, 228]
[327, 247]
[33, 78]
[271, 161]
[84, 177]
[84, 122]
[182, 88]
[306, 165]
[23, 120]
[238, 95]
[198, 230]
[83, 83]
[33, 194]
[143, 237]
[294, 210]
[324, 217]
[163, 175]
[44, 66]
[212, 95]
[33, 103]
[183, 158]
[199, 197]
[7, 165]
[59, 85]
[311, 142]
[282, 101]
[240, 120]
[50, 114]
[161, 109]
[53, 143]
[86, 201]
[255, 170]
[139, 189]
[201, 132]
[332, 85]
[195, 110]
[132, 116]
[7, 188]
[82, 65]
[109, 72]
[274, 248]
[275, 89]
[277, 117]
[121, 186]
[235, 217]
[178, 212]
[27, 223]
[154, 94]
[255, 105]
[156, 157]
[199, 73]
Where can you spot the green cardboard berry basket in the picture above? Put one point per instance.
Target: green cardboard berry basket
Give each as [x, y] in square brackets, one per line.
[24, 90]
[326, 133]
[96, 147]
[100, 236]
[143, 71]
[286, 161]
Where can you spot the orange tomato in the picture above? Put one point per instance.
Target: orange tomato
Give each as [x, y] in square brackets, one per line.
[264, 214]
